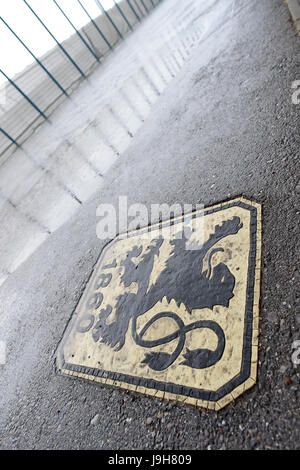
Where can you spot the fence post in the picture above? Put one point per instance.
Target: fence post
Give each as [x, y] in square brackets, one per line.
[9, 137]
[139, 9]
[24, 95]
[77, 32]
[36, 59]
[123, 15]
[109, 18]
[57, 42]
[144, 5]
[133, 10]
[96, 26]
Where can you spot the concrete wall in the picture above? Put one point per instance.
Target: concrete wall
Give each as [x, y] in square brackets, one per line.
[18, 118]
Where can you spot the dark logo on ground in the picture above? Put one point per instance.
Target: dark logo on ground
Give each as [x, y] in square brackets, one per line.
[184, 280]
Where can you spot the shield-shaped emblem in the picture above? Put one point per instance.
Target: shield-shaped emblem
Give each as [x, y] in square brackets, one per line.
[171, 310]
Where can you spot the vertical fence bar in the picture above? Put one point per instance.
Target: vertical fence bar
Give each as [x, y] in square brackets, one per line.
[69, 57]
[109, 18]
[139, 8]
[144, 5]
[57, 42]
[77, 32]
[35, 58]
[24, 95]
[96, 26]
[133, 10]
[123, 15]
[9, 137]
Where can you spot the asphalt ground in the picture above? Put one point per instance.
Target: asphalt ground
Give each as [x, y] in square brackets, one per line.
[225, 126]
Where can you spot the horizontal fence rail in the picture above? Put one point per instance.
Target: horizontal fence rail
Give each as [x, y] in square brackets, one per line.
[28, 99]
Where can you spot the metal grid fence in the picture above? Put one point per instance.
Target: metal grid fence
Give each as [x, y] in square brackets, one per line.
[31, 96]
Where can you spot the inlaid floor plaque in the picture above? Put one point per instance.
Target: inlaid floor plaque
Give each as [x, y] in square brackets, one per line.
[171, 310]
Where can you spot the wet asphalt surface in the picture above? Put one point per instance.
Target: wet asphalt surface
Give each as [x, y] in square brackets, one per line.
[221, 129]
